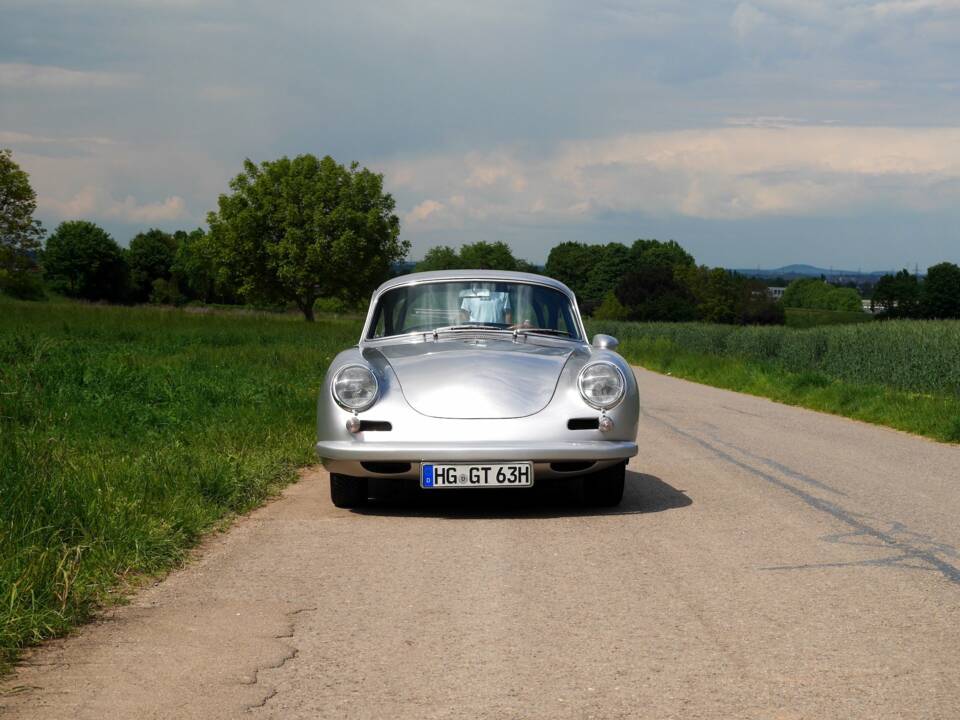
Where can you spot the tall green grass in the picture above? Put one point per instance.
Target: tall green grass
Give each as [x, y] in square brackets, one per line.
[126, 433]
[902, 374]
[913, 355]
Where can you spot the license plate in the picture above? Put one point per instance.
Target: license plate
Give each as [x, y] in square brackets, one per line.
[435, 476]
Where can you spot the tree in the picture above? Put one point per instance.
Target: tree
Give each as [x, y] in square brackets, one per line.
[150, 258]
[607, 265]
[20, 234]
[570, 263]
[820, 295]
[717, 293]
[441, 257]
[196, 271]
[654, 293]
[81, 260]
[487, 256]
[940, 294]
[526, 266]
[295, 230]
[648, 253]
[611, 309]
[897, 296]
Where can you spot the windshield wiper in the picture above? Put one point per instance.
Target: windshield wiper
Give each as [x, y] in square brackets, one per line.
[540, 331]
[479, 326]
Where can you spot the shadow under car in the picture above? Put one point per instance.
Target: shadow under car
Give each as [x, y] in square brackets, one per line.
[643, 493]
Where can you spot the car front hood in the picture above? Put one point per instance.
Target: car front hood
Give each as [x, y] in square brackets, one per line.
[476, 378]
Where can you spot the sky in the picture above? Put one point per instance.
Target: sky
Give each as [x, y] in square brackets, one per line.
[756, 134]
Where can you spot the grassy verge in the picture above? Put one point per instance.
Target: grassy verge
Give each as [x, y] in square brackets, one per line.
[126, 433]
[806, 318]
[934, 416]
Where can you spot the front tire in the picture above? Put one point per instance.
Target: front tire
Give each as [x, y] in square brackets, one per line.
[605, 488]
[348, 492]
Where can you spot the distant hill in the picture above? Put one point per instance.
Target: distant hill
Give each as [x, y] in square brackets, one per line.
[792, 272]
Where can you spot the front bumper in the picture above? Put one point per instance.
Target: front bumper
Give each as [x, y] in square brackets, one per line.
[347, 457]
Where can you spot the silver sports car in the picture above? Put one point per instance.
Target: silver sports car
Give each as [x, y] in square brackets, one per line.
[473, 379]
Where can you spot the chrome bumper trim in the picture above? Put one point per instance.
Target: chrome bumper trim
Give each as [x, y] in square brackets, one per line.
[478, 452]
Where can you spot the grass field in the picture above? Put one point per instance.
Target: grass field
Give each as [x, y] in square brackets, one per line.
[806, 317]
[126, 433]
[903, 374]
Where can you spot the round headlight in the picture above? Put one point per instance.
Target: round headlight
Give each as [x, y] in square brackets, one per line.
[355, 387]
[601, 385]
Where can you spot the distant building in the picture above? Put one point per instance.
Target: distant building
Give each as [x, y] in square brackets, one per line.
[776, 292]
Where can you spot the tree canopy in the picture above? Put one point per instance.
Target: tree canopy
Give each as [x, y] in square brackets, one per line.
[293, 230]
[81, 260]
[441, 257]
[150, 258]
[818, 294]
[20, 233]
[940, 296]
[480, 255]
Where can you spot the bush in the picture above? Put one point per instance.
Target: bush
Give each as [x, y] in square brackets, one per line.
[820, 295]
[610, 309]
[23, 286]
[332, 306]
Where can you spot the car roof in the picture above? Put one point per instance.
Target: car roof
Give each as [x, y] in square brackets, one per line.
[489, 275]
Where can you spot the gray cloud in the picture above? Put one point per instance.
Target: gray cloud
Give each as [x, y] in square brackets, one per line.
[726, 121]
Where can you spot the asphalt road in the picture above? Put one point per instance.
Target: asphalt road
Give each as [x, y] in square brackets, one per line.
[767, 562]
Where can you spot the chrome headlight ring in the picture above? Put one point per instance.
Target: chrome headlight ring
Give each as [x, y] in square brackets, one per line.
[355, 388]
[602, 385]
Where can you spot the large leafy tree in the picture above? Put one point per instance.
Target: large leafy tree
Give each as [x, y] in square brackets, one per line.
[605, 268]
[20, 233]
[293, 230]
[487, 256]
[196, 270]
[570, 263]
[654, 293]
[82, 260]
[656, 253]
[940, 295]
[150, 257]
[897, 296]
[441, 257]
[473, 256]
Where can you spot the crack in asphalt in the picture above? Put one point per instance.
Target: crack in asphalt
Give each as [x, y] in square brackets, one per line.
[888, 539]
[291, 655]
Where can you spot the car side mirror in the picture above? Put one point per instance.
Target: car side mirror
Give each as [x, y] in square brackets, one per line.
[605, 342]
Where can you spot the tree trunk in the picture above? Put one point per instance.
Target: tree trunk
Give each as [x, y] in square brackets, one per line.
[306, 308]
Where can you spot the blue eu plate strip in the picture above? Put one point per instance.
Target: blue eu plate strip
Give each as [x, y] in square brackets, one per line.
[428, 475]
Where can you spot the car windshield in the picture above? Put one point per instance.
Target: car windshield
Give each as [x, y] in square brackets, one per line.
[467, 305]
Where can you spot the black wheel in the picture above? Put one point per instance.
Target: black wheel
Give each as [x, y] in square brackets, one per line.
[348, 492]
[605, 488]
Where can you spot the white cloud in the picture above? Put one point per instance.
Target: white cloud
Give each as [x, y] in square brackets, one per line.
[424, 210]
[102, 179]
[727, 173]
[94, 202]
[22, 75]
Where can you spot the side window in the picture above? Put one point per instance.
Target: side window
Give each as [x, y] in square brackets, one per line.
[378, 329]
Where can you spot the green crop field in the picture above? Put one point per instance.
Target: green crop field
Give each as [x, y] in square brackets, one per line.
[905, 374]
[807, 317]
[126, 433]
